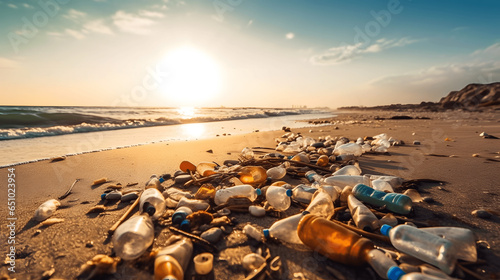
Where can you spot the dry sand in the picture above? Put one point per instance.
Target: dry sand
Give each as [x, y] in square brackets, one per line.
[472, 183]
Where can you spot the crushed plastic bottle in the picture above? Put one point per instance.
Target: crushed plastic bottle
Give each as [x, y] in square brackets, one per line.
[362, 216]
[321, 205]
[347, 180]
[222, 195]
[152, 201]
[303, 193]
[277, 172]
[193, 204]
[279, 197]
[252, 174]
[173, 260]
[393, 181]
[286, 229]
[180, 215]
[46, 209]
[132, 238]
[462, 239]
[383, 264]
[333, 241]
[395, 202]
[348, 170]
[348, 149]
[425, 246]
[247, 153]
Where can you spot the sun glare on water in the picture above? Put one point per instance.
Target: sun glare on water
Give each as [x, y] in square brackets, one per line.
[193, 77]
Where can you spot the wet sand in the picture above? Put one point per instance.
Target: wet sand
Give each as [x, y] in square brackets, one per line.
[471, 183]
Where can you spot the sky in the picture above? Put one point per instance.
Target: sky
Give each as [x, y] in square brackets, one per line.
[239, 53]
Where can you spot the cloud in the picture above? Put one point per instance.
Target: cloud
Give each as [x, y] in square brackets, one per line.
[151, 14]
[28, 6]
[132, 23]
[74, 33]
[346, 53]
[6, 63]
[97, 26]
[75, 15]
[12, 6]
[290, 35]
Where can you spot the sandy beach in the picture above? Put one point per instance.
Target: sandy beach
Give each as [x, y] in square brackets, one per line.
[471, 183]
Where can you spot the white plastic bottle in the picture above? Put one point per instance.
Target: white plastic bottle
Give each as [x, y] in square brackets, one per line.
[152, 199]
[279, 197]
[321, 205]
[251, 231]
[425, 246]
[462, 239]
[348, 170]
[347, 180]
[172, 261]
[132, 238]
[362, 216]
[46, 209]
[193, 204]
[222, 195]
[382, 264]
[286, 229]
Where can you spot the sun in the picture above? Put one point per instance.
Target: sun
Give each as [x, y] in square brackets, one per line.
[192, 77]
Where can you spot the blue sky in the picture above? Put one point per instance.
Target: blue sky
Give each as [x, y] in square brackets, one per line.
[244, 52]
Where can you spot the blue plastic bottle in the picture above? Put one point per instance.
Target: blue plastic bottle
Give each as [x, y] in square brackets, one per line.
[395, 202]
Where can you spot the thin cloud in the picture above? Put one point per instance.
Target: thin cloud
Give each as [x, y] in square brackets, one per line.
[10, 5]
[74, 33]
[97, 26]
[346, 53]
[290, 35]
[151, 14]
[28, 6]
[6, 63]
[75, 15]
[132, 23]
[250, 22]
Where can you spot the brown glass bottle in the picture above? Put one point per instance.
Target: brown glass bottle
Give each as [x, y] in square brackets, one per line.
[333, 241]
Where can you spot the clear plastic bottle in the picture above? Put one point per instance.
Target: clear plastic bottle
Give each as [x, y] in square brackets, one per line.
[348, 170]
[173, 260]
[252, 174]
[222, 195]
[206, 168]
[422, 245]
[277, 172]
[395, 202]
[301, 157]
[332, 191]
[461, 238]
[321, 205]
[247, 153]
[180, 214]
[46, 209]
[193, 204]
[348, 149]
[251, 231]
[303, 193]
[154, 182]
[345, 194]
[346, 180]
[132, 238]
[362, 216]
[312, 176]
[279, 197]
[286, 229]
[382, 264]
[334, 241]
[152, 199]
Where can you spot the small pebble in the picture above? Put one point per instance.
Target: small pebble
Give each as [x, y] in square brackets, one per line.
[428, 199]
[475, 155]
[226, 229]
[89, 244]
[210, 151]
[257, 211]
[130, 196]
[483, 214]
[416, 142]
[318, 145]
[37, 232]
[212, 235]
[181, 179]
[47, 274]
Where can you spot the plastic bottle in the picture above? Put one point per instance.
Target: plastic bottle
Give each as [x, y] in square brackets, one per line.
[322, 161]
[154, 182]
[393, 181]
[206, 168]
[348, 170]
[286, 229]
[312, 176]
[193, 204]
[395, 202]
[303, 194]
[251, 231]
[247, 153]
[346, 180]
[46, 209]
[152, 199]
[279, 197]
[349, 148]
[422, 245]
[462, 239]
[381, 185]
[362, 216]
[301, 157]
[321, 205]
[383, 264]
[253, 174]
[222, 195]
[345, 194]
[180, 214]
[133, 237]
[334, 241]
[332, 191]
[173, 260]
[277, 172]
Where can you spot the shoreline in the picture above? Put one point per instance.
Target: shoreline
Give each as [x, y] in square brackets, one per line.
[472, 183]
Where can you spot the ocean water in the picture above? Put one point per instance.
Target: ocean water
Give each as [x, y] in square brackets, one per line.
[34, 133]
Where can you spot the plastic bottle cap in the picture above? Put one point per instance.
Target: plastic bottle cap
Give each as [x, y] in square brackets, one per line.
[185, 225]
[178, 217]
[161, 180]
[266, 233]
[203, 263]
[258, 191]
[103, 196]
[150, 209]
[289, 192]
[385, 229]
[306, 212]
[394, 273]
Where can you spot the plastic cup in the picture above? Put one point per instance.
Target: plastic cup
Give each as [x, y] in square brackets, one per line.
[203, 263]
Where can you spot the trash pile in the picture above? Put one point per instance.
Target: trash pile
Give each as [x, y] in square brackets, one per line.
[350, 217]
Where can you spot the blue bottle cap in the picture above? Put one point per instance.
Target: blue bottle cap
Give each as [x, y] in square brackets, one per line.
[178, 217]
[266, 233]
[185, 225]
[150, 209]
[161, 180]
[385, 229]
[394, 273]
[258, 191]
[103, 196]
[289, 192]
